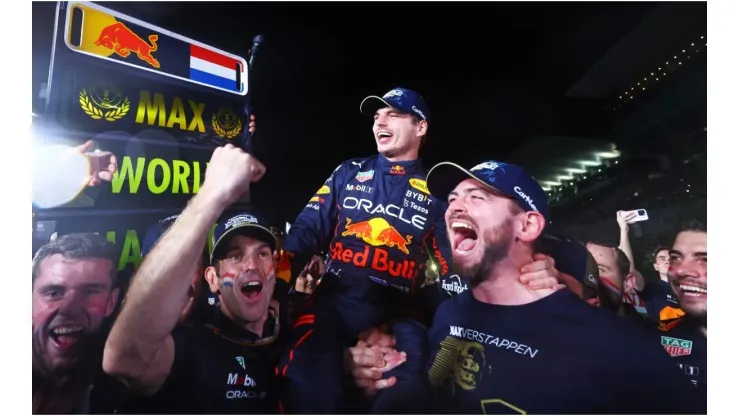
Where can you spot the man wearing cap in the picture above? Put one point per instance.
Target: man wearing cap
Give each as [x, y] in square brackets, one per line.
[226, 364]
[381, 226]
[502, 347]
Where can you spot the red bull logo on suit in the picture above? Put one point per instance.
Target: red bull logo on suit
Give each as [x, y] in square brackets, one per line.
[376, 232]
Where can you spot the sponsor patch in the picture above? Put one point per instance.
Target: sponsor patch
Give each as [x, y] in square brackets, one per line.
[239, 220]
[365, 176]
[676, 347]
[419, 184]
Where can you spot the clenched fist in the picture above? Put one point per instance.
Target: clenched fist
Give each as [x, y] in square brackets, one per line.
[102, 164]
[229, 174]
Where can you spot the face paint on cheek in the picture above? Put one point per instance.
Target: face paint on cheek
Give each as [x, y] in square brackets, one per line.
[228, 280]
[97, 306]
[611, 286]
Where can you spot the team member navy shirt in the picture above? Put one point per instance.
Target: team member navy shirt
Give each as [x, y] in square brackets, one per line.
[219, 368]
[556, 355]
[687, 347]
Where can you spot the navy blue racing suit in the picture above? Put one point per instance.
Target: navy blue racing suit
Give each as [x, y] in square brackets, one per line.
[380, 224]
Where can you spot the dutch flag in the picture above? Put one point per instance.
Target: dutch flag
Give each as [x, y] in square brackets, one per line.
[215, 69]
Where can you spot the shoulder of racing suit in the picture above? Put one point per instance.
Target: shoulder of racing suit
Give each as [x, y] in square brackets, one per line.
[352, 166]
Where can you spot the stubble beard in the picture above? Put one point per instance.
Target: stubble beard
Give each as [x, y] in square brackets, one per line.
[497, 245]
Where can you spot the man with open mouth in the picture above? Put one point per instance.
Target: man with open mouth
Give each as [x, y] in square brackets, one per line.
[502, 346]
[685, 340]
[225, 364]
[74, 291]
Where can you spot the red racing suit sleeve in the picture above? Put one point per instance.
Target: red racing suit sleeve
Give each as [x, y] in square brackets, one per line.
[312, 231]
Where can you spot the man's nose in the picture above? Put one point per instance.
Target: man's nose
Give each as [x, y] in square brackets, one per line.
[687, 268]
[72, 303]
[456, 206]
[250, 262]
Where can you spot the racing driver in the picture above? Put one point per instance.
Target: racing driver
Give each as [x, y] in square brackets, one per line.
[381, 225]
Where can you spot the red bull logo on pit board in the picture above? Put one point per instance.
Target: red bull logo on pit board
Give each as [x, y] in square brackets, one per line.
[122, 40]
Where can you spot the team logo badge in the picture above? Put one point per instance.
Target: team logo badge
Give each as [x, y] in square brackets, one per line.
[226, 123]
[122, 41]
[104, 101]
[398, 170]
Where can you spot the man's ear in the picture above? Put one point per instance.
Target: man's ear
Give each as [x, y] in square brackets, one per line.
[531, 226]
[421, 129]
[112, 301]
[655, 266]
[212, 279]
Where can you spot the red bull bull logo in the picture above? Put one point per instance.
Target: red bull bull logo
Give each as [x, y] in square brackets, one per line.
[377, 232]
[122, 40]
[398, 170]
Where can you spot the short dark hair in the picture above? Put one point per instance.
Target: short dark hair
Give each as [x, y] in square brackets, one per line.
[692, 225]
[658, 250]
[78, 246]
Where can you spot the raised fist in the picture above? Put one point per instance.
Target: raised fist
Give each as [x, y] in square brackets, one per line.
[230, 173]
[102, 164]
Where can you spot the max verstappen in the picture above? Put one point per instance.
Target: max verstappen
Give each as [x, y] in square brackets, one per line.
[381, 225]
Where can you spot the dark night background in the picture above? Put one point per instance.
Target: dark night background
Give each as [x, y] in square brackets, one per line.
[494, 74]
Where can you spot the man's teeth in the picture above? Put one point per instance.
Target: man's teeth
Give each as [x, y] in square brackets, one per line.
[67, 330]
[461, 251]
[687, 288]
[383, 134]
[457, 224]
[252, 284]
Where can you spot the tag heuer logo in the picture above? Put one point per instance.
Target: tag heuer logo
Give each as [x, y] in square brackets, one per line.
[676, 347]
[365, 176]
